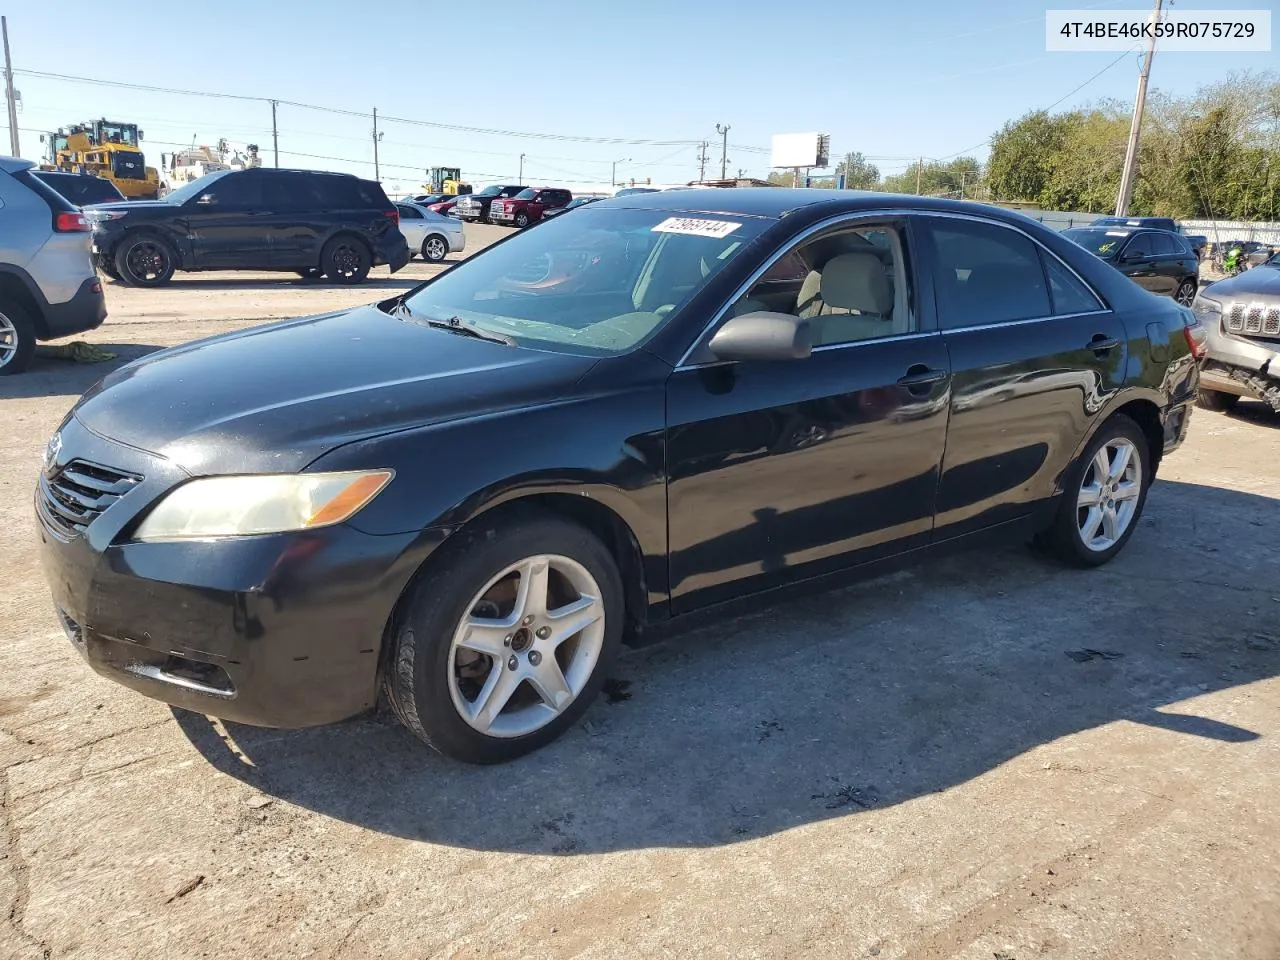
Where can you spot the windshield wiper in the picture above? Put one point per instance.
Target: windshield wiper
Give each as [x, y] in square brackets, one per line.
[465, 328]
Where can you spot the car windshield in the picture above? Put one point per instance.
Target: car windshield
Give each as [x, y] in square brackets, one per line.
[195, 187]
[596, 283]
[488, 192]
[1098, 240]
[528, 194]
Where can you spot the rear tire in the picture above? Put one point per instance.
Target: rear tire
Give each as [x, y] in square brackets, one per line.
[346, 260]
[470, 595]
[17, 339]
[1081, 534]
[144, 260]
[1186, 293]
[1216, 400]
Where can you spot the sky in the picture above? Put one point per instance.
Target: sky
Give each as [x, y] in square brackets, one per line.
[895, 81]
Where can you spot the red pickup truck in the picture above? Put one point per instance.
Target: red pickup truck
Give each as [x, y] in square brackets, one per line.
[529, 205]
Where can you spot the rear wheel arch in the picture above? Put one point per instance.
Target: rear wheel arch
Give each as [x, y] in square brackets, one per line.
[15, 288]
[1142, 410]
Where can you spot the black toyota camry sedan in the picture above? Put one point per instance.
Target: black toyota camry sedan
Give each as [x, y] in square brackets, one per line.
[469, 496]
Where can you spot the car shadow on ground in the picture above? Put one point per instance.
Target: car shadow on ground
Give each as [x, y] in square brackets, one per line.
[835, 702]
[58, 377]
[285, 281]
[1255, 411]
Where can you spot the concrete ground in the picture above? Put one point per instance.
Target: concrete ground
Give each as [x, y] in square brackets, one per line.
[987, 756]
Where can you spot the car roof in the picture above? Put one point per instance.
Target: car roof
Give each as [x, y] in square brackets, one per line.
[14, 164]
[778, 202]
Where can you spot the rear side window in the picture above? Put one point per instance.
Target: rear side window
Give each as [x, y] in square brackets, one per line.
[986, 274]
[1140, 246]
[407, 212]
[1163, 245]
[289, 191]
[349, 193]
[1069, 294]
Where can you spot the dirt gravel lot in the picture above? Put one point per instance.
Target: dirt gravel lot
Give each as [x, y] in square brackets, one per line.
[987, 756]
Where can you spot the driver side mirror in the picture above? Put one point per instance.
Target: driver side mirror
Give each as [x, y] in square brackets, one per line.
[1131, 257]
[207, 200]
[762, 335]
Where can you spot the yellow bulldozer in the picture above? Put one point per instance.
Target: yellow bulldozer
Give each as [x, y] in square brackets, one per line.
[104, 149]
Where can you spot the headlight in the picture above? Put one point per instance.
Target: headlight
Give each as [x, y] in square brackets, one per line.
[1208, 311]
[245, 505]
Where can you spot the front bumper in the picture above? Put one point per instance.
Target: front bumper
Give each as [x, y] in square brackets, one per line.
[1225, 351]
[280, 630]
[84, 311]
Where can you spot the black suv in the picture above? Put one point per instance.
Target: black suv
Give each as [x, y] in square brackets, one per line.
[1158, 260]
[317, 224]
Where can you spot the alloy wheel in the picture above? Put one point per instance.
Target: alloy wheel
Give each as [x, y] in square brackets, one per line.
[147, 261]
[1186, 294]
[527, 646]
[1107, 501]
[346, 260]
[8, 340]
[435, 249]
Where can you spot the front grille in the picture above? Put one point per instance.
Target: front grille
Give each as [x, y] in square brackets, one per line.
[78, 493]
[1253, 318]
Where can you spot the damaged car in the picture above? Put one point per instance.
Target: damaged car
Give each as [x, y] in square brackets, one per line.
[1241, 317]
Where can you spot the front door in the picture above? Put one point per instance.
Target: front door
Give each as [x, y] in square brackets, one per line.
[1034, 356]
[785, 469]
[228, 224]
[1137, 261]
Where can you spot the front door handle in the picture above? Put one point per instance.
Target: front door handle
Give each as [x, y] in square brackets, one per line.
[921, 376]
[1101, 343]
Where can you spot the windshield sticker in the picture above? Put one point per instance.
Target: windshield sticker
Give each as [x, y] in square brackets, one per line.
[696, 228]
[1117, 233]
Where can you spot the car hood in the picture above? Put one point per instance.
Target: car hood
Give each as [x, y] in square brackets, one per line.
[274, 398]
[1262, 283]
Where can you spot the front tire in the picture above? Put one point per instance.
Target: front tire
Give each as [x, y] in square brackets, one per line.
[1186, 293]
[522, 219]
[1103, 497]
[17, 339]
[1216, 400]
[505, 644]
[435, 248]
[346, 260]
[144, 260]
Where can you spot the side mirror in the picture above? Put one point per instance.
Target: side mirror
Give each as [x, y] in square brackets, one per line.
[763, 336]
[206, 200]
[1130, 257]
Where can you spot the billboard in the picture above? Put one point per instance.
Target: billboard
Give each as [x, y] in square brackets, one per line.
[800, 150]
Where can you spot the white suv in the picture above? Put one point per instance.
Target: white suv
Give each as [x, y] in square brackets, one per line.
[48, 287]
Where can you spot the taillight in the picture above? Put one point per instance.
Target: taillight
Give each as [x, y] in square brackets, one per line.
[393, 215]
[70, 222]
[1196, 336]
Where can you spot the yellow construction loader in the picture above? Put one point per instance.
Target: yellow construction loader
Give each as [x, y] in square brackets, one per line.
[104, 149]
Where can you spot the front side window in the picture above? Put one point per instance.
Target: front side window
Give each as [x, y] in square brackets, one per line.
[596, 283]
[985, 274]
[1139, 246]
[852, 284]
[233, 193]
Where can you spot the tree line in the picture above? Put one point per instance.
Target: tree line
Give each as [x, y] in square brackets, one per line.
[1212, 154]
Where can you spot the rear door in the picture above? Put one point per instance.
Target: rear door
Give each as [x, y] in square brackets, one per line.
[228, 224]
[1034, 354]
[297, 218]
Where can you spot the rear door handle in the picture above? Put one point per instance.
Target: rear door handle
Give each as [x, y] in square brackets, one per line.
[921, 376]
[1101, 343]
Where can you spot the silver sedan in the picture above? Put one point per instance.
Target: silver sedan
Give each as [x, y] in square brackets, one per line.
[429, 234]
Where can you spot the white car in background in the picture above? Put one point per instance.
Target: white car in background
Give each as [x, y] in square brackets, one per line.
[429, 234]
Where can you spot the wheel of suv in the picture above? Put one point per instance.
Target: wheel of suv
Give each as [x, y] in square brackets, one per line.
[1216, 400]
[109, 268]
[17, 339]
[345, 260]
[1186, 293]
[1103, 497]
[434, 248]
[144, 260]
[503, 648]
[522, 219]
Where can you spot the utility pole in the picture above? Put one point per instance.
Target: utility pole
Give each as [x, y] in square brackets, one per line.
[919, 167]
[520, 175]
[961, 184]
[613, 173]
[724, 150]
[275, 135]
[377, 172]
[702, 160]
[1135, 126]
[9, 98]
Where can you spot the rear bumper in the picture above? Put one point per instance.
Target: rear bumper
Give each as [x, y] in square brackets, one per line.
[394, 254]
[84, 311]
